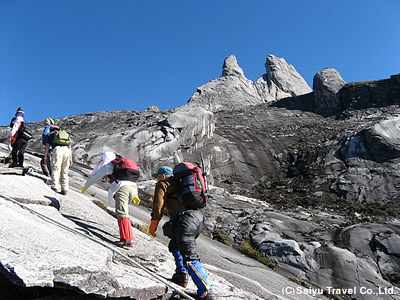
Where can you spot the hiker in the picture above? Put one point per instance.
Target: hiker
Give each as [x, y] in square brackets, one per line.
[46, 167]
[123, 174]
[18, 139]
[60, 159]
[183, 229]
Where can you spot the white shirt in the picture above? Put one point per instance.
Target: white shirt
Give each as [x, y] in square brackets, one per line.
[105, 170]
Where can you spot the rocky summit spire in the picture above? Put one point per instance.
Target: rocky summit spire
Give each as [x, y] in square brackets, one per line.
[285, 76]
[233, 90]
[231, 67]
[229, 91]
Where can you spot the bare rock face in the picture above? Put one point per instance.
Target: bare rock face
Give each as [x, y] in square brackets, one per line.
[150, 138]
[326, 85]
[67, 252]
[231, 67]
[349, 259]
[372, 156]
[368, 94]
[350, 97]
[281, 80]
[230, 90]
[38, 252]
[296, 176]
[233, 90]
[379, 142]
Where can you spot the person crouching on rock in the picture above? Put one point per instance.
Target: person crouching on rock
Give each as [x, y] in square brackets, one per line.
[123, 174]
[183, 229]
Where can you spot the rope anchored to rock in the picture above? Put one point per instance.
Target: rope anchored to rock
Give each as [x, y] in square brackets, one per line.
[154, 275]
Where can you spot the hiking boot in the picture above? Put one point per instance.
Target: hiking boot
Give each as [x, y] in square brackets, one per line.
[63, 192]
[181, 278]
[14, 165]
[55, 189]
[123, 243]
[207, 296]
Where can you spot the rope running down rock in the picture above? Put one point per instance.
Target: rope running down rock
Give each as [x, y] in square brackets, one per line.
[177, 291]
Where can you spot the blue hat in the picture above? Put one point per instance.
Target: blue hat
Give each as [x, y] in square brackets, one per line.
[163, 170]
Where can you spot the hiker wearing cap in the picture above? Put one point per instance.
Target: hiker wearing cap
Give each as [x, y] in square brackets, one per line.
[183, 228]
[60, 159]
[17, 140]
[46, 167]
[123, 174]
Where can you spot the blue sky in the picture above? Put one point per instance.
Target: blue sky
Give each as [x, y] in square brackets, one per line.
[66, 57]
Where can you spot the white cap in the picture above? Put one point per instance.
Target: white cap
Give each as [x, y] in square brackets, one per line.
[106, 158]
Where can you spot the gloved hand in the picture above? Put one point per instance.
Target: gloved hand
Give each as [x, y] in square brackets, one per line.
[136, 200]
[153, 227]
[84, 189]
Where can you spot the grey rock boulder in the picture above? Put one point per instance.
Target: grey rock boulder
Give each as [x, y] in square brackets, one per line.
[379, 142]
[326, 85]
[386, 245]
[371, 155]
[383, 140]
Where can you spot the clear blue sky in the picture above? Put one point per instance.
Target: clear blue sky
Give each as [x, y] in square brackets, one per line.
[66, 57]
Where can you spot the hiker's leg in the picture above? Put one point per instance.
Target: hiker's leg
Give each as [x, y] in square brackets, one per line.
[66, 151]
[180, 276]
[56, 160]
[199, 277]
[14, 153]
[125, 229]
[45, 169]
[173, 248]
[49, 162]
[122, 198]
[21, 152]
[188, 227]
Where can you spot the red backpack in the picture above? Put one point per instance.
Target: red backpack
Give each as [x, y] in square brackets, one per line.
[193, 185]
[124, 169]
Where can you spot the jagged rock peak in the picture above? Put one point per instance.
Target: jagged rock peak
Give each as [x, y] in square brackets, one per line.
[285, 76]
[231, 67]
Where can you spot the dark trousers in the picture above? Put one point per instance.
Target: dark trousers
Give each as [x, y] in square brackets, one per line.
[46, 167]
[18, 152]
[187, 227]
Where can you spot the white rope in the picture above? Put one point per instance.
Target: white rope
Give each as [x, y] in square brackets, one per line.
[162, 280]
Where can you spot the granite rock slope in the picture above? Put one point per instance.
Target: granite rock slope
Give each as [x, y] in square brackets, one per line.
[290, 175]
[60, 247]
